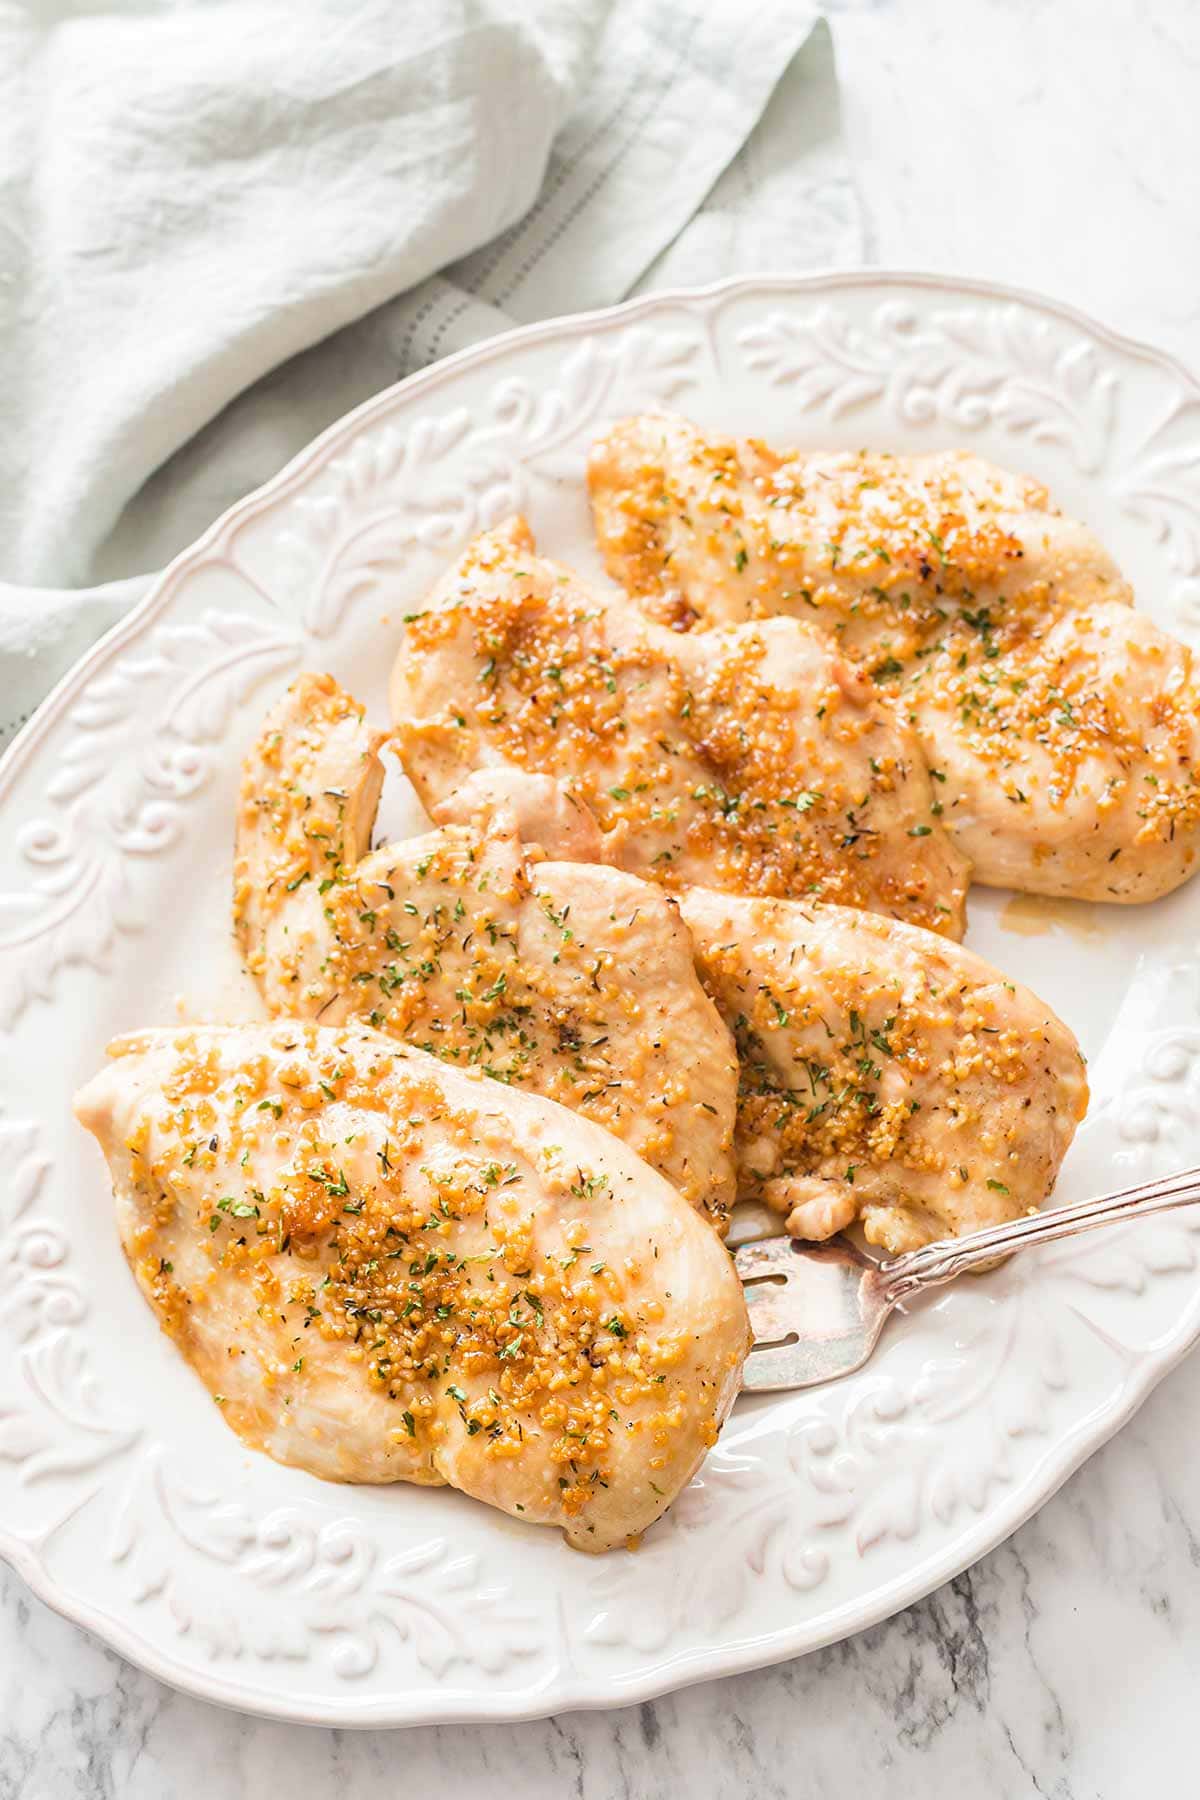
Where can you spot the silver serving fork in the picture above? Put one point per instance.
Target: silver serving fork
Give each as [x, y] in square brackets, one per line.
[816, 1310]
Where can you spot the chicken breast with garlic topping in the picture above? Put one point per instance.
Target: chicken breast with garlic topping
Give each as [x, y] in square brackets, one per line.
[563, 978]
[385, 1270]
[888, 1076]
[754, 759]
[1063, 729]
[876, 548]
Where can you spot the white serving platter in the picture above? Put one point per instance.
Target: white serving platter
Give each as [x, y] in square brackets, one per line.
[124, 1500]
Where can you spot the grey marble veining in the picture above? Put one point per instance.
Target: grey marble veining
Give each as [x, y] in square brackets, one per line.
[1050, 143]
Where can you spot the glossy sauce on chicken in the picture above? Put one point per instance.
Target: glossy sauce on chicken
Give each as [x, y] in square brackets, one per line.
[385, 1270]
[754, 759]
[567, 979]
[1062, 728]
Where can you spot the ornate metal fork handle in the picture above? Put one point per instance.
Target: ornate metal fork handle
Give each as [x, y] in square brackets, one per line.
[939, 1262]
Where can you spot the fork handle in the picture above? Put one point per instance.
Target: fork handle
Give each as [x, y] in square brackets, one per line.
[942, 1261]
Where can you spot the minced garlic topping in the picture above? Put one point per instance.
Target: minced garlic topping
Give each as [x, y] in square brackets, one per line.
[309, 1209]
[752, 760]
[884, 1075]
[1064, 728]
[573, 981]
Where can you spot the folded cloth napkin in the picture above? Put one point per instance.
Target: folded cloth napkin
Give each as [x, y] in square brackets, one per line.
[225, 222]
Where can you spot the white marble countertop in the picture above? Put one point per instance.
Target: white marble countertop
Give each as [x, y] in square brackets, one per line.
[1052, 144]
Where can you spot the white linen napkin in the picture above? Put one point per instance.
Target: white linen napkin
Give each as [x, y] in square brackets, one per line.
[225, 222]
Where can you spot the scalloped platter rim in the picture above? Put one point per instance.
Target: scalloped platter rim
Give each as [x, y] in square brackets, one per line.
[124, 1501]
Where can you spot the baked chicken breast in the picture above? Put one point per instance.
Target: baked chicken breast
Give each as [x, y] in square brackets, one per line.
[385, 1270]
[887, 1076]
[563, 978]
[753, 759]
[1062, 729]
